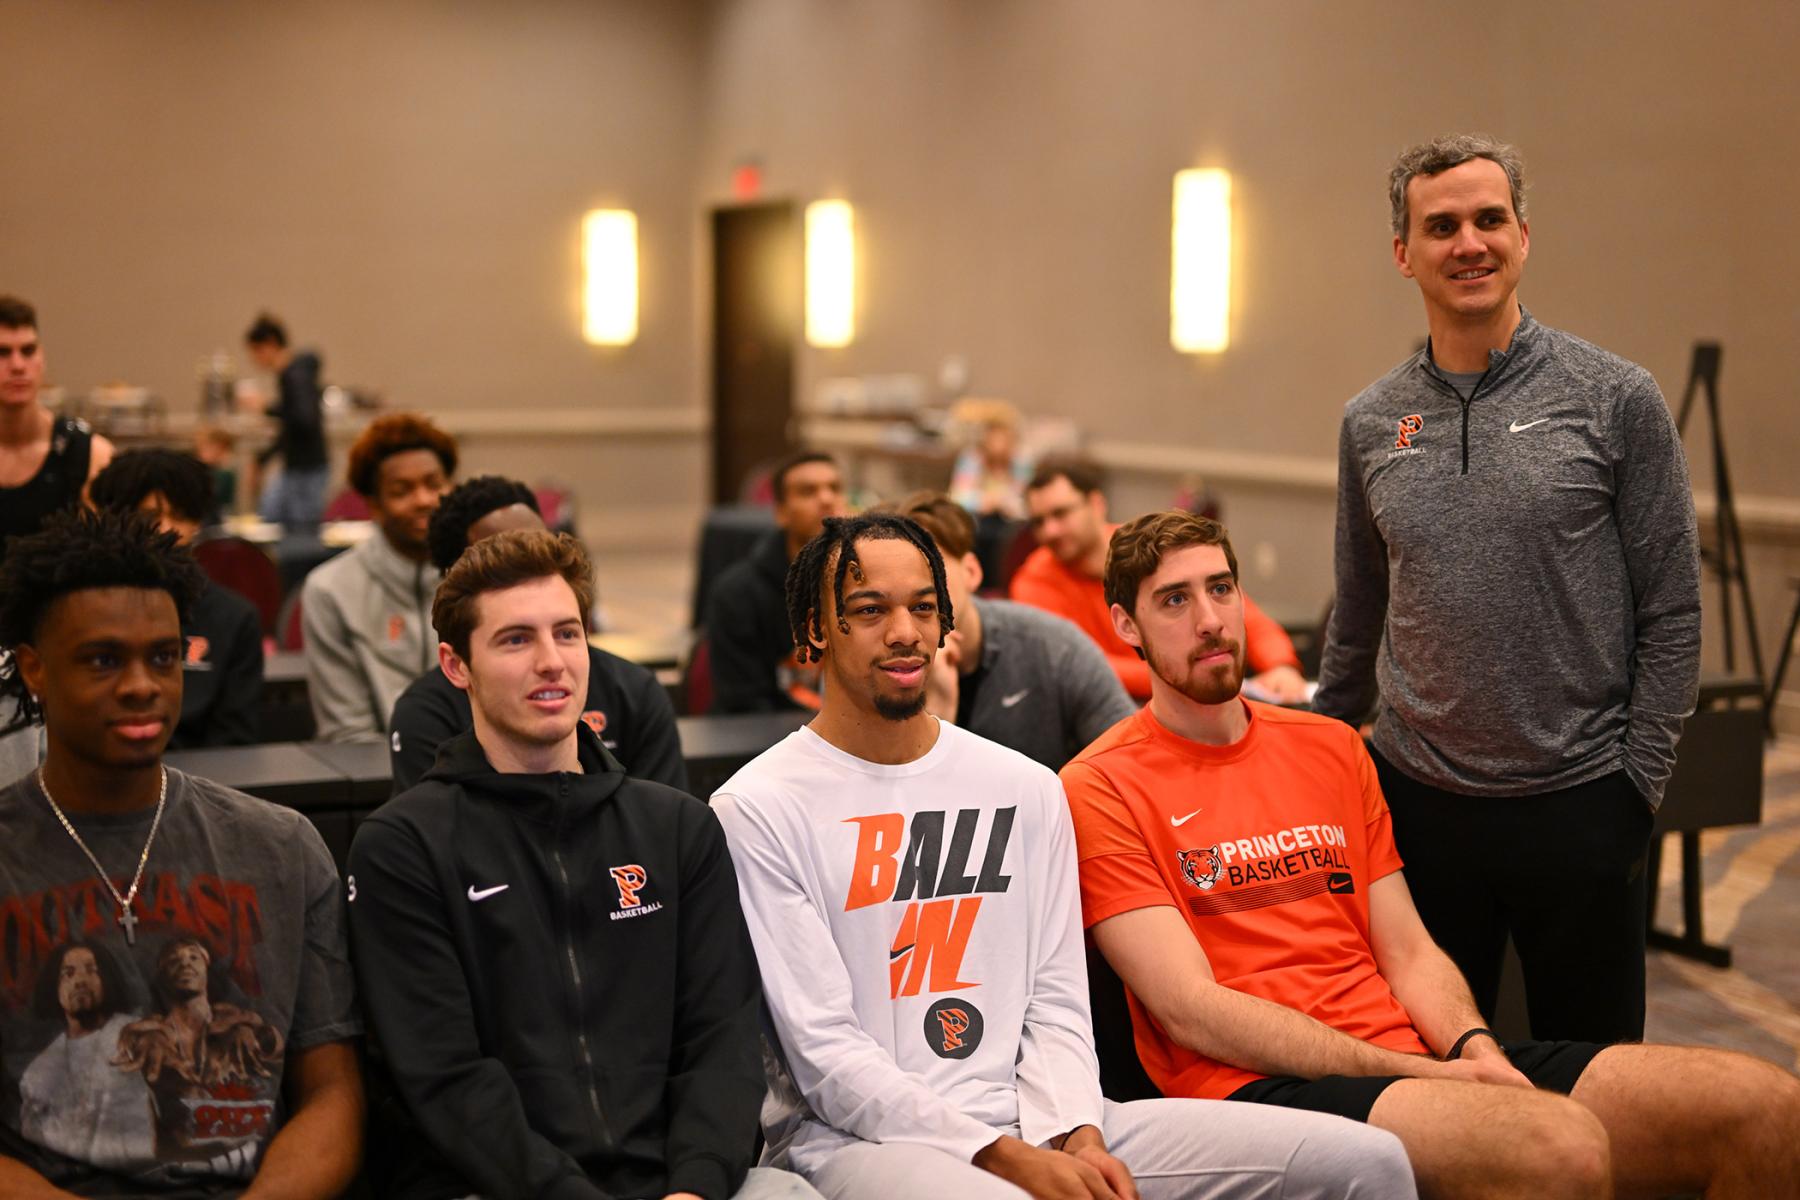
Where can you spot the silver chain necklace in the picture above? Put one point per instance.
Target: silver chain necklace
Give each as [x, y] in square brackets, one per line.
[127, 920]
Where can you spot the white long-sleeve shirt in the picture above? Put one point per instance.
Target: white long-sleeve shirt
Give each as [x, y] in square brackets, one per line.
[919, 934]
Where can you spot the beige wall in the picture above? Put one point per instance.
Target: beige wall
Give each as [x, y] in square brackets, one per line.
[402, 182]
[1012, 162]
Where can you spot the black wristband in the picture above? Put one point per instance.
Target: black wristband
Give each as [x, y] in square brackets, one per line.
[1478, 1031]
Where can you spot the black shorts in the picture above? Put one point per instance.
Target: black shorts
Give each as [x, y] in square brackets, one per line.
[1552, 1066]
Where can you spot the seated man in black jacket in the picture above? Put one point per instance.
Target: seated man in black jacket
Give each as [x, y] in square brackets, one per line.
[557, 969]
[746, 617]
[222, 662]
[625, 705]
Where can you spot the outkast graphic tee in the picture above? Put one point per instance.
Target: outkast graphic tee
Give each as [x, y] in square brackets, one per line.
[157, 1060]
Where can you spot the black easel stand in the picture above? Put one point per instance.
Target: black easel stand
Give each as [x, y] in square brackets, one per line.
[1787, 652]
[1726, 557]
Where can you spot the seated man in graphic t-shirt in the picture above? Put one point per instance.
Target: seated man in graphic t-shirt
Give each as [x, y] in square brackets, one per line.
[176, 1015]
[1238, 871]
[910, 890]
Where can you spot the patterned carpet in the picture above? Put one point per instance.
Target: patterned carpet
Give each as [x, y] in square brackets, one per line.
[1753, 906]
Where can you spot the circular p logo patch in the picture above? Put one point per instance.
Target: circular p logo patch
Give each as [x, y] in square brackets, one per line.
[953, 1028]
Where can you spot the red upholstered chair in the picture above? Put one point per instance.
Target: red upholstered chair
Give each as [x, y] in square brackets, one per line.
[697, 682]
[556, 504]
[1023, 543]
[231, 562]
[759, 484]
[347, 506]
[291, 635]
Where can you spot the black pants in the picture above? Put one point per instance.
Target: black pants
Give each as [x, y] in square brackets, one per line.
[1562, 872]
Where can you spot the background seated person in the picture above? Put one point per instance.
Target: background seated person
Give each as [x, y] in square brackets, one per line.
[1238, 871]
[46, 460]
[215, 446]
[201, 1043]
[989, 476]
[366, 614]
[625, 704]
[754, 668]
[1011, 673]
[222, 660]
[1063, 576]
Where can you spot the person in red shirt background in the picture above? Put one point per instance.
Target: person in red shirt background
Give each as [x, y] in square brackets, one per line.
[1062, 576]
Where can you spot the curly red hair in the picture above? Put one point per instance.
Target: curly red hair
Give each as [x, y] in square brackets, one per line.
[394, 434]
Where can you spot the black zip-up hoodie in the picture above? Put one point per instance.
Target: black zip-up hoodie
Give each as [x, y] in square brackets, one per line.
[559, 979]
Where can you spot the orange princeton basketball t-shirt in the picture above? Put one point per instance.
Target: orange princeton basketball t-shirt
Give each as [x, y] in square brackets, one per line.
[1267, 847]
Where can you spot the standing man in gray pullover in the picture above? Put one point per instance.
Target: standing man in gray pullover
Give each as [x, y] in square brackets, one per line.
[1518, 575]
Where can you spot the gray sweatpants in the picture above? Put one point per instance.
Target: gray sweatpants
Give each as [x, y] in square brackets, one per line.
[1175, 1149]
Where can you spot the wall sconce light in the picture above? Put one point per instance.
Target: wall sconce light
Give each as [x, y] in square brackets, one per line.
[609, 292]
[830, 273]
[1200, 291]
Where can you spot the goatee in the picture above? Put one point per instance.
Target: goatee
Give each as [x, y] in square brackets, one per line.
[900, 708]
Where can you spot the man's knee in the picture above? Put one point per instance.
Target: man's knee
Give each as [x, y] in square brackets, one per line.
[1568, 1149]
[1354, 1162]
[1763, 1123]
[1530, 1144]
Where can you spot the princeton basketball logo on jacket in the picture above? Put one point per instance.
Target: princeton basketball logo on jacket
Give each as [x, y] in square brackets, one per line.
[631, 880]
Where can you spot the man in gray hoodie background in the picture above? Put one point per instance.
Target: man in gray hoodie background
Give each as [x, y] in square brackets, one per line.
[1518, 578]
[366, 614]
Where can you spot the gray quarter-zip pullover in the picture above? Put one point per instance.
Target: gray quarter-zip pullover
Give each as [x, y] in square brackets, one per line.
[1518, 572]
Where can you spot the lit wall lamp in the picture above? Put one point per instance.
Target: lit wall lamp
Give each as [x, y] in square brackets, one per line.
[830, 273]
[1200, 291]
[609, 292]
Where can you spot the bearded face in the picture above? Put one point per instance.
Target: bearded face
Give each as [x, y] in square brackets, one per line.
[79, 987]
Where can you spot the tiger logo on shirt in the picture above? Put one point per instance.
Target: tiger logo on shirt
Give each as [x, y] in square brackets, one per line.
[1201, 867]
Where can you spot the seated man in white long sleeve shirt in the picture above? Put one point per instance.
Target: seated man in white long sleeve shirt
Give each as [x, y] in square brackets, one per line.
[911, 892]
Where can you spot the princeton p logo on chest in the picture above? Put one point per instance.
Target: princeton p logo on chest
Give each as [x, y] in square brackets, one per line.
[631, 879]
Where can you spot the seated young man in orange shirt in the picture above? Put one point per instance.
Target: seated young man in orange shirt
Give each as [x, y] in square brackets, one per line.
[1062, 576]
[1238, 871]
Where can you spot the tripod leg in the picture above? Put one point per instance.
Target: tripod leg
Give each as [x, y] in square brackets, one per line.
[1781, 664]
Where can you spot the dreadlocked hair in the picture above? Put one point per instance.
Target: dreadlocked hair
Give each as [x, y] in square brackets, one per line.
[463, 505]
[183, 481]
[834, 550]
[76, 551]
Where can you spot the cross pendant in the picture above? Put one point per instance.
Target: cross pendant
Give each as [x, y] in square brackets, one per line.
[128, 922]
